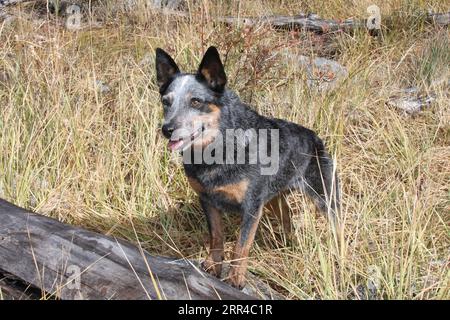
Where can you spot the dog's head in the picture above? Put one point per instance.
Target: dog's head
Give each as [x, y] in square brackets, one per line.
[190, 100]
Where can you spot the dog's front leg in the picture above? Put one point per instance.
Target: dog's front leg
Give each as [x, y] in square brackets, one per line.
[238, 269]
[213, 263]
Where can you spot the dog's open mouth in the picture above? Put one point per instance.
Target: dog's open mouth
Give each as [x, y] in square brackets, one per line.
[181, 143]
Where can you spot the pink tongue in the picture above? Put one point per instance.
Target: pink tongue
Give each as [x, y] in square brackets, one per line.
[174, 145]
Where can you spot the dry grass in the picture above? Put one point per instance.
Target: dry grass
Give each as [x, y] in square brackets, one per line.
[98, 160]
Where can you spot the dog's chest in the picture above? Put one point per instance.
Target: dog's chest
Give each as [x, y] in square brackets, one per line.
[227, 195]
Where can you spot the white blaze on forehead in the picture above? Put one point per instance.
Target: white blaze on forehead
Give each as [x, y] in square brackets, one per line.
[183, 84]
[184, 80]
[178, 89]
[181, 87]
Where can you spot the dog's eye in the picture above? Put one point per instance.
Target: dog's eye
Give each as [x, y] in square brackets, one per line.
[195, 103]
[165, 102]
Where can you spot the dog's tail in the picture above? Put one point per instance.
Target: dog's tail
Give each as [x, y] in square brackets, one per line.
[322, 182]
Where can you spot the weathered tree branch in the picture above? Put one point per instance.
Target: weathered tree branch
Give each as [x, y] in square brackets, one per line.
[316, 24]
[298, 22]
[4, 3]
[13, 288]
[311, 22]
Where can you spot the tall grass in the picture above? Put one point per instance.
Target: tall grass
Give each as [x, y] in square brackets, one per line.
[98, 159]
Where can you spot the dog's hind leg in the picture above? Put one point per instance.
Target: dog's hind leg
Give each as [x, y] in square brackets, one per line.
[280, 208]
[213, 263]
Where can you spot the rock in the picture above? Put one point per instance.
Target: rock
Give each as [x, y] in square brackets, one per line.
[102, 87]
[168, 4]
[321, 74]
[157, 4]
[412, 105]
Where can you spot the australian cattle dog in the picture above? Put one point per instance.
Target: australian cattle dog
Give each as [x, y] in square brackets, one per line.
[237, 160]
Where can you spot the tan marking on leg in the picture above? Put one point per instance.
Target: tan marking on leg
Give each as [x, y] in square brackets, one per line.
[234, 191]
[213, 263]
[279, 206]
[196, 185]
[238, 269]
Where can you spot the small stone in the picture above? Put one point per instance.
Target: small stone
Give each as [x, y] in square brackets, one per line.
[102, 87]
[322, 74]
[411, 106]
[168, 4]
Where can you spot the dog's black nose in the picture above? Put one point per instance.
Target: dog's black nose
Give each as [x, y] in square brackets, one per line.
[167, 130]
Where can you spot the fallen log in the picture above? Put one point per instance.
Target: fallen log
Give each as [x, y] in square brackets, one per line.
[13, 288]
[314, 23]
[67, 262]
[311, 22]
[4, 3]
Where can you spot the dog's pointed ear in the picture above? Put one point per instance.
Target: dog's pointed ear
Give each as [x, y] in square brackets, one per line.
[212, 71]
[166, 68]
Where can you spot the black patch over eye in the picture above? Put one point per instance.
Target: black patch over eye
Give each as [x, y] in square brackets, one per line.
[196, 103]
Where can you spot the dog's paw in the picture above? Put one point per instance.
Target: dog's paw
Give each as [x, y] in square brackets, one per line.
[236, 278]
[211, 267]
